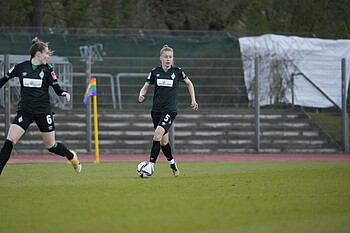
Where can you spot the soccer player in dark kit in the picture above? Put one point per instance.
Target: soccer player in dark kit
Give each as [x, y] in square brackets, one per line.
[164, 110]
[36, 76]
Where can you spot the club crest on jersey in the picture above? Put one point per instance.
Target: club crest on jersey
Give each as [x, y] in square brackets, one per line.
[173, 76]
[157, 75]
[41, 74]
[24, 73]
[54, 77]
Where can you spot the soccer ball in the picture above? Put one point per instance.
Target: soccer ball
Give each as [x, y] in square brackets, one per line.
[145, 169]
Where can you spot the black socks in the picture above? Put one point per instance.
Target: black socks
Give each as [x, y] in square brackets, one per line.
[6, 150]
[5, 154]
[60, 149]
[167, 152]
[156, 149]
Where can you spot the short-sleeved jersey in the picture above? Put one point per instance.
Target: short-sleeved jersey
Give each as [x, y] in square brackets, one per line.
[166, 84]
[35, 82]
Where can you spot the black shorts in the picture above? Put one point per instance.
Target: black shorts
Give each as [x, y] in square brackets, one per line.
[45, 122]
[164, 120]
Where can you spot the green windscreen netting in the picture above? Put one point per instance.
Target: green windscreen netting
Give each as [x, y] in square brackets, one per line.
[213, 64]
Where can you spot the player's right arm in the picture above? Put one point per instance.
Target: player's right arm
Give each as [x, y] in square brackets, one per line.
[12, 73]
[3, 80]
[143, 92]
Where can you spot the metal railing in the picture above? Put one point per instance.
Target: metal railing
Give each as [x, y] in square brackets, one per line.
[342, 109]
[314, 85]
[214, 92]
[102, 75]
[62, 67]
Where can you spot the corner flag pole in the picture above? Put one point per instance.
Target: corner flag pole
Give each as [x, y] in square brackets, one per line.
[91, 90]
[97, 150]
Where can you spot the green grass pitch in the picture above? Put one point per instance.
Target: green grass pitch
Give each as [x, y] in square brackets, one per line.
[206, 197]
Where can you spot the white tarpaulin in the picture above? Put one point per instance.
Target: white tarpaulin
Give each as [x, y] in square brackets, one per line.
[318, 60]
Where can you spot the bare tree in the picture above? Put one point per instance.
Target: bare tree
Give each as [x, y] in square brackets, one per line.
[317, 17]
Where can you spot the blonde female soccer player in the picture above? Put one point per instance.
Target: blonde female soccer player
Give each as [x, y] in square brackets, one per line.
[166, 79]
[36, 76]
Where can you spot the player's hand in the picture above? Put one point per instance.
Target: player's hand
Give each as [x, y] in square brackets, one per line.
[67, 95]
[194, 105]
[141, 98]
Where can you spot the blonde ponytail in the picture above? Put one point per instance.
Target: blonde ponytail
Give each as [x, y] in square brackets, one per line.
[166, 48]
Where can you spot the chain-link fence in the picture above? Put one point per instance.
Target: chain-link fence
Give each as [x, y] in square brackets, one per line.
[218, 82]
[213, 62]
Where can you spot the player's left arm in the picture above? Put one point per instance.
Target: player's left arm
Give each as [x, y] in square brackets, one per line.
[190, 86]
[57, 88]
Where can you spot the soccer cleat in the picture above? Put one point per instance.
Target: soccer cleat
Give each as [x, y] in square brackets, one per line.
[75, 162]
[175, 170]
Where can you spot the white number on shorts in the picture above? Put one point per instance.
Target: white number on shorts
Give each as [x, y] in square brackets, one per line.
[166, 118]
[49, 119]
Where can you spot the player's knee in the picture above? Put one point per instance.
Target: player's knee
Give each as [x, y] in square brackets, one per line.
[158, 133]
[157, 136]
[164, 142]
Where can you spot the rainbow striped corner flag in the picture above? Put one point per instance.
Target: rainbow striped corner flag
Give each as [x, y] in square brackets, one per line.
[91, 90]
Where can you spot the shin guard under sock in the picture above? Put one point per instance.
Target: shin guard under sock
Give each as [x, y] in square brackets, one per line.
[167, 152]
[155, 151]
[5, 154]
[60, 149]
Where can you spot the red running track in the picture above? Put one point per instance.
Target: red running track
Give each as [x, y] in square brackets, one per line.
[51, 158]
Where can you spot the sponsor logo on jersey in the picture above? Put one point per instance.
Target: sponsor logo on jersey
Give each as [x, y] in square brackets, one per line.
[54, 77]
[28, 82]
[165, 82]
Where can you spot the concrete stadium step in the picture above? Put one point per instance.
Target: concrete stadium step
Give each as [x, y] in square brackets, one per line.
[282, 131]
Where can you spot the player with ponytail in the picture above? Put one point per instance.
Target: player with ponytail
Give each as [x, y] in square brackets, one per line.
[36, 76]
[166, 79]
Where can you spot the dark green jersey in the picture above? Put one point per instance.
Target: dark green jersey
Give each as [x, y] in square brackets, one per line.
[35, 82]
[166, 84]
